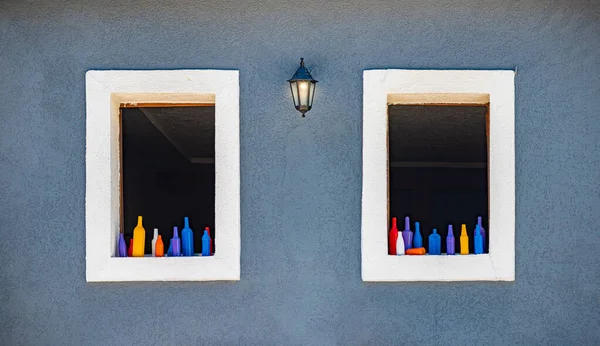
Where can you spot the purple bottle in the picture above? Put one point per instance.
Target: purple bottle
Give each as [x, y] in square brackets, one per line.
[176, 243]
[122, 246]
[407, 235]
[450, 247]
[481, 230]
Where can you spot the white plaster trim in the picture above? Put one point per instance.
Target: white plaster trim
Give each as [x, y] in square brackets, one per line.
[105, 90]
[381, 87]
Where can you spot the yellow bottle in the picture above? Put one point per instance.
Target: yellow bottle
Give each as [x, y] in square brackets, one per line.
[139, 239]
[464, 241]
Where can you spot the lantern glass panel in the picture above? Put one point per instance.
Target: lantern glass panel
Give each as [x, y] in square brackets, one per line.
[311, 94]
[304, 90]
[294, 87]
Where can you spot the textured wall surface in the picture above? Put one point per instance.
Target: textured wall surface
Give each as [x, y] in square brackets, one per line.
[300, 177]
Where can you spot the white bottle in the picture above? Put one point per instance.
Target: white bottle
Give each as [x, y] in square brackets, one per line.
[400, 245]
[154, 242]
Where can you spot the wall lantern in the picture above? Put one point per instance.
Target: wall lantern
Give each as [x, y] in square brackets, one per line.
[303, 88]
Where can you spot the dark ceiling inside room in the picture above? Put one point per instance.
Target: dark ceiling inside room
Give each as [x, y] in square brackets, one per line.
[190, 130]
[437, 134]
[416, 133]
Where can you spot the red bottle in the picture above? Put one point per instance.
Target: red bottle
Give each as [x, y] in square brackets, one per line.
[130, 250]
[207, 229]
[393, 238]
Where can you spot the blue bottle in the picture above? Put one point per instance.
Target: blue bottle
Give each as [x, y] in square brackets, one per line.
[417, 239]
[176, 243]
[450, 242]
[481, 230]
[478, 242]
[187, 239]
[205, 244]
[435, 243]
[170, 251]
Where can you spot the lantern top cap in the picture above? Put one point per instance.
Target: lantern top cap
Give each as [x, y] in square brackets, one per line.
[302, 73]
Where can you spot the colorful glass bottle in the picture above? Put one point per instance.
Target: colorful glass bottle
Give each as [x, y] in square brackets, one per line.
[399, 246]
[139, 239]
[122, 246]
[393, 238]
[187, 239]
[407, 234]
[464, 240]
[415, 251]
[481, 230]
[205, 244]
[160, 247]
[130, 249]
[478, 241]
[176, 243]
[450, 242]
[418, 239]
[154, 237]
[207, 229]
[435, 243]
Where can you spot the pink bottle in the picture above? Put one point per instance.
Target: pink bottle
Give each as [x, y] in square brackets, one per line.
[393, 238]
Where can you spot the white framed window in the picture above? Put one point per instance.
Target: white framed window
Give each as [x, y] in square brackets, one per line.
[106, 91]
[383, 88]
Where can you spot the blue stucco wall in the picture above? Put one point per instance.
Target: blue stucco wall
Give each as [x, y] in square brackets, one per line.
[301, 178]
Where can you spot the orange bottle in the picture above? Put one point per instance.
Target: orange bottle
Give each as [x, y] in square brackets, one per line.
[416, 251]
[160, 247]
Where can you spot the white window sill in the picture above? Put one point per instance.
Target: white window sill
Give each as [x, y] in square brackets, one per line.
[196, 268]
[435, 268]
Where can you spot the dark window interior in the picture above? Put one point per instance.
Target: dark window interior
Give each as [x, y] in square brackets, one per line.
[168, 170]
[438, 168]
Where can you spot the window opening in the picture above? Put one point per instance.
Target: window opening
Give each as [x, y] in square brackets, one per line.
[438, 169]
[168, 170]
